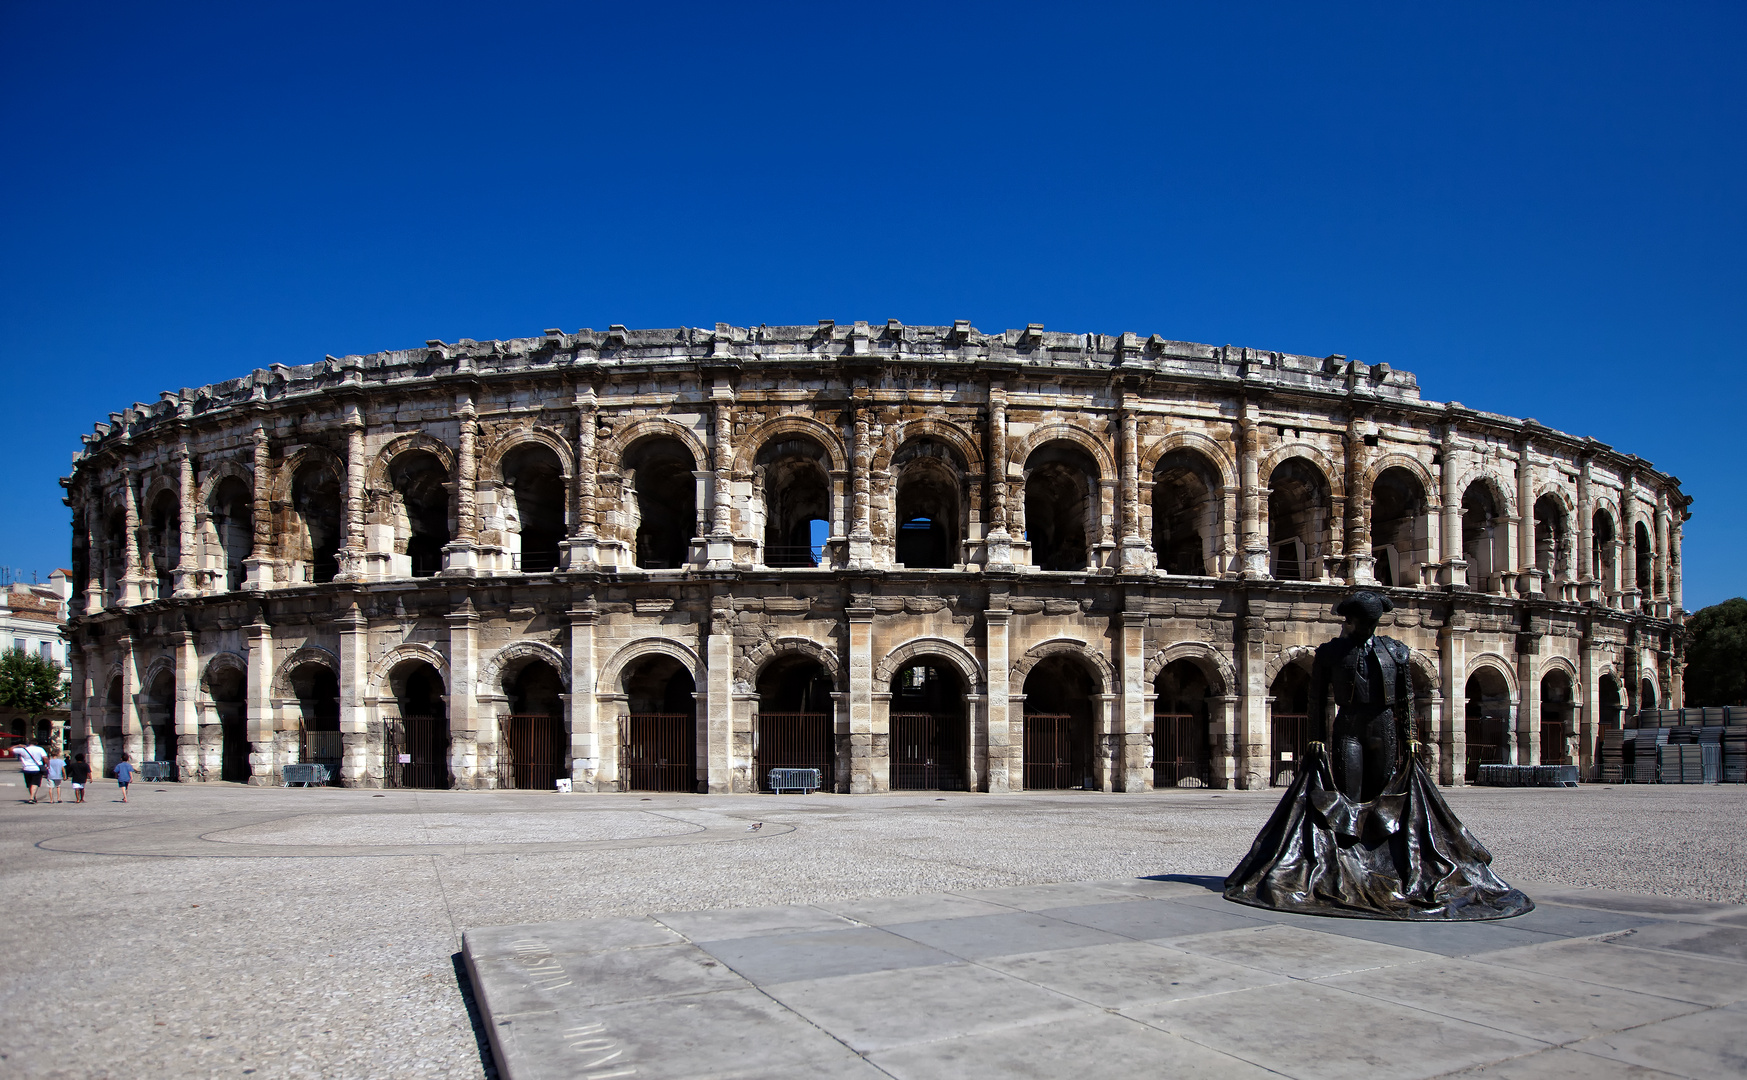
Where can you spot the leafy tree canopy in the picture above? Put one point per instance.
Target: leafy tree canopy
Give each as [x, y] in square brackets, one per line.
[30, 684]
[1716, 655]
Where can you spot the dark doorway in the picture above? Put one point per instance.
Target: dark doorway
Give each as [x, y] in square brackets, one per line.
[534, 750]
[421, 489]
[1398, 527]
[797, 493]
[316, 499]
[664, 477]
[318, 701]
[1298, 501]
[228, 688]
[164, 541]
[1181, 755]
[794, 720]
[1644, 555]
[232, 518]
[1061, 485]
[1185, 513]
[1602, 550]
[1290, 734]
[929, 480]
[1058, 725]
[1487, 717]
[160, 723]
[661, 731]
[418, 744]
[1557, 719]
[534, 478]
[930, 744]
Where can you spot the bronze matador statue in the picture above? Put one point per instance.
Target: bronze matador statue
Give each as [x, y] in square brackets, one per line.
[1363, 832]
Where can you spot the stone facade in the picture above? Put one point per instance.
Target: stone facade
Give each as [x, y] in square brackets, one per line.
[916, 555]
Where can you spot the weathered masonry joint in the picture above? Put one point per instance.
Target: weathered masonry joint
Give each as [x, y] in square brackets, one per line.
[911, 557]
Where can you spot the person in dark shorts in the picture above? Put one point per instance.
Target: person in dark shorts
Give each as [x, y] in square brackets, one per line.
[33, 759]
[123, 775]
[79, 772]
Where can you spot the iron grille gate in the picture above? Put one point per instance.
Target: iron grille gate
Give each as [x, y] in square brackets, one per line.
[795, 740]
[531, 752]
[1291, 738]
[1486, 735]
[1554, 748]
[424, 742]
[928, 752]
[661, 752]
[1180, 757]
[1049, 751]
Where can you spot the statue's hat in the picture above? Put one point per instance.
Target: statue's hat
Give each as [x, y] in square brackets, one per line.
[1366, 601]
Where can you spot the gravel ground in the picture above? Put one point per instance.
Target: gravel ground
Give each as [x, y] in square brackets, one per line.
[326, 960]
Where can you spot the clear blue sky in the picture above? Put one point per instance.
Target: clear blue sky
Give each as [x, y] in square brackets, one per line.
[1541, 212]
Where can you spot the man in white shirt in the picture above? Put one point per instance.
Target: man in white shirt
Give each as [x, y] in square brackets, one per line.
[32, 759]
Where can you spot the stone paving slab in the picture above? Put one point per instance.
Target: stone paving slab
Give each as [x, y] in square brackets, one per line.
[1140, 977]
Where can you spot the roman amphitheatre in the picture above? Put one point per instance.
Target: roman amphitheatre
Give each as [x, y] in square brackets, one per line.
[912, 557]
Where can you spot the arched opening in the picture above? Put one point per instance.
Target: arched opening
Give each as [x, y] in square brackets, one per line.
[1646, 695]
[1484, 537]
[164, 541]
[1181, 756]
[1298, 501]
[230, 516]
[930, 738]
[111, 722]
[1185, 513]
[1400, 539]
[1487, 717]
[1289, 722]
[661, 730]
[664, 476]
[316, 499]
[533, 506]
[1550, 535]
[1061, 489]
[318, 706]
[115, 541]
[1608, 709]
[1602, 550]
[1059, 724]
[159, 723]
[930, 480]
[1558, 728]
[228, 688]
[1645, 553]
[416, 743]
[794, 720]
[533, 750]
[794, 477]
[421, 504]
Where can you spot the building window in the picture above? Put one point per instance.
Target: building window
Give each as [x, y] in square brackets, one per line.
[48, 651]
[18, 644]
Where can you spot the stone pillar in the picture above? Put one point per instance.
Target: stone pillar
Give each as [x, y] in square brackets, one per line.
[1659, 573]
[1136, 556]
[132, 591]
[1134, 726]
[263, 722]
[95, 559]
[464, 727]
[1000, 541]
[717, 761]
[258, 567]
[461, 555]
[1255, 541]
[1222, 740]
[1431, 706]
[1587, 571]
[580, 551]
[870, 750]
[1529, 576]
[361, 763]
[1627, 563]
[594, 764]
[1455, 569]
[187, 577]
[997, 738]
[1104, 514]
[861, 505]
[1254, 742]
[78, 701]
[354, 549]
[977, 746]
[719, 548]
[1675, 600]
[132, 741]
[1453, 673]
[1588, 690]
[187, 716]
[1528, 731]
[1106, 752]
[1361, 563]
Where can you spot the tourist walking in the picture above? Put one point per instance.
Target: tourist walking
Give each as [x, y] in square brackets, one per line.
[123, 775]
[56, 773]
[32, 759]
[79, 774]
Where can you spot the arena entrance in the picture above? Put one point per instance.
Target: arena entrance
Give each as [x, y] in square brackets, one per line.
[1181, 756]
[228, 687]
[1289, 724]
[794, 720]
[1058, 725]
[416, 746]
[159, 727]
[1487, 721]
[659, 742]
[533, 749]
[318, 702]
[930, 738]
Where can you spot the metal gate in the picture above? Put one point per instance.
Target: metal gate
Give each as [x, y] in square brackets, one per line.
[661, 752]
[417, 753]
[795, 741]
[1180, 757]
[532, 751]
[1486, 735]
[928, 752]
[1291, 738]
[1554, 748]
[1049, 752]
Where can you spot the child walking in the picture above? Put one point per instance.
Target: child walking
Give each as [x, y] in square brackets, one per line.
[57, 772]
[79, 772]
[123, 775]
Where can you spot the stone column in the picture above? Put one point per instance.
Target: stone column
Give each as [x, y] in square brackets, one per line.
[1104, 513]
[1585, 563]
[870, 750]
[95, 559]
[594, 764]
[1675, 601]
[132, 591]
[357, 747]
[464, 728]
[719, 548]
[1000, 722]
[78, 701]
[1588, 690]
[132, 741]
[1528, 731]
[1000, 541]
[861, 506]
[580, 550]
[263, 722]
[1361, 563]
[716, 761]
[258, 567]
[1453, 662]
[461, 555]
[1659, 573]
[1134, 727]
[1627, 563]
[187, 717]
[1254, 737]
[976, 742]
[96, 709]
[354, 549]
[1255, 541]
[1529, 580]
[1136, 557]
[1455, 568]
[1222, 740]
[187, 579]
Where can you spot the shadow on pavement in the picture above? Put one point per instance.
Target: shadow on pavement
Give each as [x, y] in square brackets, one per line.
[481, 1039]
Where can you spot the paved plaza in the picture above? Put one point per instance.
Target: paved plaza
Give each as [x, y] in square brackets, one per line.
[215, 930]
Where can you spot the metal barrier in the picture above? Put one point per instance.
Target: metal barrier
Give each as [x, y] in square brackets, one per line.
[805, 781]
[1528, 776]
[306, 775]
[157, 772]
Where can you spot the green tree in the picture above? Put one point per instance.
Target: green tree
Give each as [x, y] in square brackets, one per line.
[30, 684]
[1716, 655]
